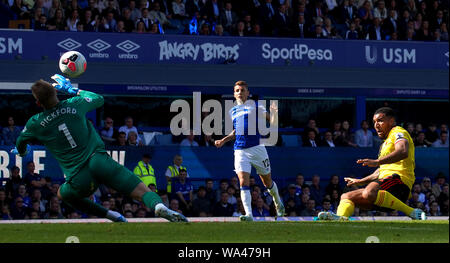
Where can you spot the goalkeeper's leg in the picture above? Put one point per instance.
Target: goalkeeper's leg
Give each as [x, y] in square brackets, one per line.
[72, 197]
[116, 176]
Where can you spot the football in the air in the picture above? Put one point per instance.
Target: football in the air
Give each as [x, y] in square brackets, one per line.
[72, 64]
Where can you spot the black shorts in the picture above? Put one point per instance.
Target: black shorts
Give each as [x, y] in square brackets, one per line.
[394, 185]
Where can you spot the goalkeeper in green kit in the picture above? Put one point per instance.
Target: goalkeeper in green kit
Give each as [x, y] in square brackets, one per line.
[63, 128]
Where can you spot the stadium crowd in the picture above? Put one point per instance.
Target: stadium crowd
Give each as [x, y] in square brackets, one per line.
[420, 20]
[34, 197]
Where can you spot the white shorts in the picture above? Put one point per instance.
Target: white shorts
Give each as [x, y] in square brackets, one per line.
[255, 156]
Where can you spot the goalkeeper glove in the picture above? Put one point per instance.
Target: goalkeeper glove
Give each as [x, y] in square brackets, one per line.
[63, 84]
[16, 152]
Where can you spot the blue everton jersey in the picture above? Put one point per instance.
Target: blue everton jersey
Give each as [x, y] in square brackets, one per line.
[245, 123]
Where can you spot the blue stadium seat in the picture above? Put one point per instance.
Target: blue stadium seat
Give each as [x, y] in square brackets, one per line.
[165, 139]
[291, 140]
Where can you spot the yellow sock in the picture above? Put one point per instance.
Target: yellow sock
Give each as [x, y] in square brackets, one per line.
[386, 199]
[346, 208]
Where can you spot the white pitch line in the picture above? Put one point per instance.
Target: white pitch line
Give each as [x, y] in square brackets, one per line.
[205, 219]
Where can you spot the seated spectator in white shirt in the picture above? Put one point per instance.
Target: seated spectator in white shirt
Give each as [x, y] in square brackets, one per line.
[363, 136]
[129, 127]
[442, 142]
[328, 140]
[189, 140]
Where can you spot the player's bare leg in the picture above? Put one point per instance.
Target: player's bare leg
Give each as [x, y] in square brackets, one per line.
[273, 191]
[152, 200]
[246, 197]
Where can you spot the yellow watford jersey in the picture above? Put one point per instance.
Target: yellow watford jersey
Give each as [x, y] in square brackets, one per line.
[405, 167]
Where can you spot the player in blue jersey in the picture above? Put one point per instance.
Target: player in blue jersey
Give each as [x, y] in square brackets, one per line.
[248, 151]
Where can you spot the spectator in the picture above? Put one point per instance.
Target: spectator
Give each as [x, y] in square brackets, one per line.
[107, 132]
[129, 127]
[121, 139]
[326, 205]
[158, 16]
[299, 184]
[439, 183]
[310, 209]
[292, 195]
[240, 210]
[282, 21]
[291, 207]
[301, 28]
[434, 209]
[10, 133]
[240, 30]
[218, 31]
[351, 32]
[201, 202]
[37, 198]
[41, 23]
[317, 191]
[55, 5]
[58, 22]
[380, 10]
[210, 193]
[259, 210]
[228, 18]
[231, 193]
[365, 13]
[424, 33]
[12, 184]
[19, 210]
[223, 186]
[184, 192]
[179, 10]
[333, 185]
[363, 136]
[164, 197]
[133, 139]
[32, 179]
[21, 10]
[189, 140]
[73, 20]
[348, 11]
[144, 170]
[5, 213]
[172, 171]
[431, 135]
[417, 189]
[443, 140]
[174, 205]
[193, 6]
[444, 31]
[420, 140]
[425, 186]
[234, 182]
[311, 140]
[223, 208]
[328, 140]
[4, 200]
[128, 22]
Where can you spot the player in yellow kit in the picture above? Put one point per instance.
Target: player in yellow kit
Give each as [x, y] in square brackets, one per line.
[390, 185]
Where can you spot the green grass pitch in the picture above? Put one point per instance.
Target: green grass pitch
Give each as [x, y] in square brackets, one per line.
[231, 232]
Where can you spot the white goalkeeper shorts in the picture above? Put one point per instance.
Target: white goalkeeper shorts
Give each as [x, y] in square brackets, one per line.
[255, 156]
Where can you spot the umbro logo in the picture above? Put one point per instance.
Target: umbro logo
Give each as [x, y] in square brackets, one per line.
[98, 45]
[69, 44]
[128, 46]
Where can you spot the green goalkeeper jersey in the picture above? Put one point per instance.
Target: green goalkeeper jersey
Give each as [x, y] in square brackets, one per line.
[65, 131]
